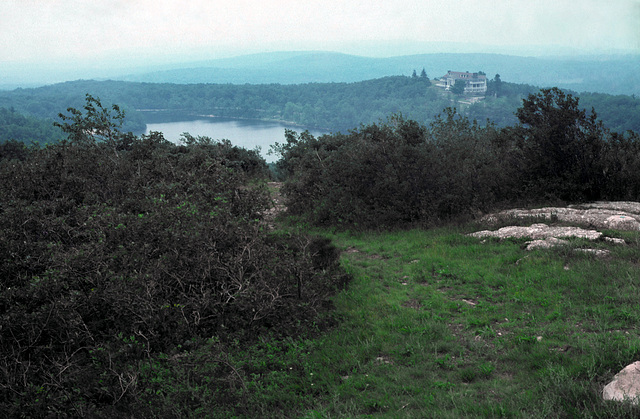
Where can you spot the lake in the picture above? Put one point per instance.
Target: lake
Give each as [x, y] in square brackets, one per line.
[245, 133]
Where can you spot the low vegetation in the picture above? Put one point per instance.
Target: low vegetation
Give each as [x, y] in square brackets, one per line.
[436, 324]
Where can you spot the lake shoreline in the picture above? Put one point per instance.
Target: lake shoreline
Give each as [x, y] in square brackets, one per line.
[248, 133]
[239, 118]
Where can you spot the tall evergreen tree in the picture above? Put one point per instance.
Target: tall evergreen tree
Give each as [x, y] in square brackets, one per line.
[458, 87]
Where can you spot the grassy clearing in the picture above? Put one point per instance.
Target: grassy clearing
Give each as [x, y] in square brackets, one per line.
[437, 324]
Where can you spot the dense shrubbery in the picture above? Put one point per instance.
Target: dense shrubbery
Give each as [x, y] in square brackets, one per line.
[401, 172]
[118, 254]
[388, 174]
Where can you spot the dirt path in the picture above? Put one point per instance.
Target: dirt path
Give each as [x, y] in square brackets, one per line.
[277, 201]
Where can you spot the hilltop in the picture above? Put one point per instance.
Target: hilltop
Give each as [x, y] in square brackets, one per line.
[146, 278]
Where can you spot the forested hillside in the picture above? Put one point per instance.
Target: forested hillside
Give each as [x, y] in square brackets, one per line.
[26, 129]
[333, 106]
[330, 106]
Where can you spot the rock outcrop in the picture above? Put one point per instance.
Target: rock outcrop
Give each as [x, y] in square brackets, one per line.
[604, 215]
[597, 215]
[542, 235]
[539, 231]
[625, 385]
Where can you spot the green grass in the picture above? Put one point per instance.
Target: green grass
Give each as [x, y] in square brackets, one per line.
[438, 324]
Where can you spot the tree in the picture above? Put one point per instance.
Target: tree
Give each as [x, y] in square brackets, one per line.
[96, 123]
[458, 87]
[562, 146]
[423, 74]
[497, 85]
[414, 75]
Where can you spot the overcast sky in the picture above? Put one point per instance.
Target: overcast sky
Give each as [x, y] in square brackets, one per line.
[95, 30]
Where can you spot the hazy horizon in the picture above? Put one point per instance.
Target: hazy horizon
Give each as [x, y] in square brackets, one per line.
[54, 40]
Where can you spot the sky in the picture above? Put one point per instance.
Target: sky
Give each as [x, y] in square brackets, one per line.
[90, 33]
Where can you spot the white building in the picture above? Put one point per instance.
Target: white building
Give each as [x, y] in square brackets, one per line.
[475, 83]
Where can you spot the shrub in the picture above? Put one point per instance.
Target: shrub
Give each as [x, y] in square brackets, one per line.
[399, 173]
[118, 251]
[395, 173]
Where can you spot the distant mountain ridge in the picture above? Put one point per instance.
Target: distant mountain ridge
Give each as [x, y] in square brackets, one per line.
[605, 74]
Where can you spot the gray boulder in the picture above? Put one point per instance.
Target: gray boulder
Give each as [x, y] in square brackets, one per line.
[622, 222]
[625, 385]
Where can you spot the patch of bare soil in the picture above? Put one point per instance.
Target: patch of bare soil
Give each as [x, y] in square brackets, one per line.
[412, 303]
[277, 201]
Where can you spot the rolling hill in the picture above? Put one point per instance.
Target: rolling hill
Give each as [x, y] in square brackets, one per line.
[604, 74]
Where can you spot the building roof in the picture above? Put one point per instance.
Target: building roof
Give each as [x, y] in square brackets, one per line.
[465, 75]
